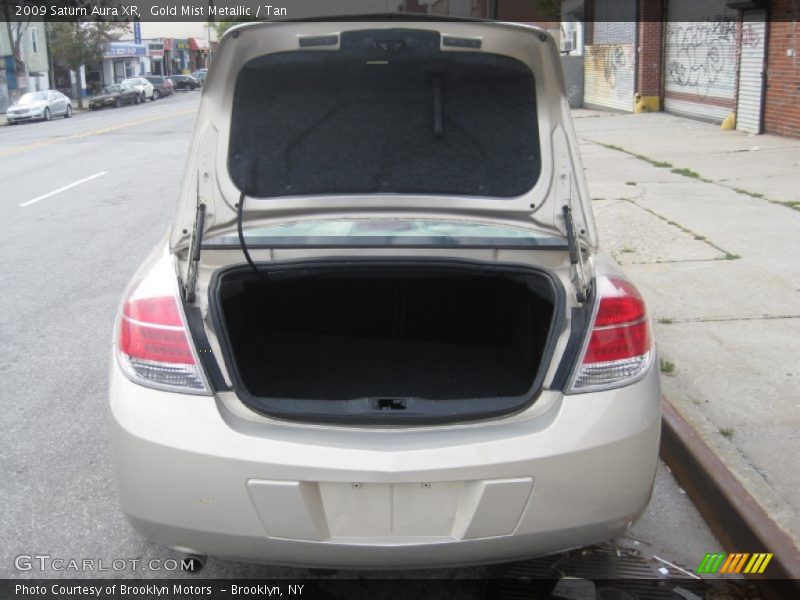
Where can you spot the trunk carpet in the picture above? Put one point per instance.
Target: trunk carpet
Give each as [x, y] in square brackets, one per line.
[339, 368]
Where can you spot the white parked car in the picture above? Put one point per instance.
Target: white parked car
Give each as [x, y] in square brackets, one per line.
[39, 106]
[380, 332]
[140, 84]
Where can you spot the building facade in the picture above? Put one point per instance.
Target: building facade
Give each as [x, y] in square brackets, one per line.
[732, 62]
[782, 98]
[14, 79]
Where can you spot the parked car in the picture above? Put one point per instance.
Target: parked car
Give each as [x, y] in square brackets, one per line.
[184, 82]
[39, 106]
[115, 96]
[381, 332]
[144, 87]
[162, 86]
[200, 75]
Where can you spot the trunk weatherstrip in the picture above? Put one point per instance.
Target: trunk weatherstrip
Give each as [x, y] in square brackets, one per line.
[386, 241]
[194, 319]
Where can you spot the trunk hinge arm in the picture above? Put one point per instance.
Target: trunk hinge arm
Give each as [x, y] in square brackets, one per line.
[194, 250]
[578, 272]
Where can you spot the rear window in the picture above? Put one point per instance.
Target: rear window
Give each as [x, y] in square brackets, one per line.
[386, 232]
[387, 113]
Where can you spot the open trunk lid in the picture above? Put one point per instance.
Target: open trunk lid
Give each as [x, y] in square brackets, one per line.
[411, 120]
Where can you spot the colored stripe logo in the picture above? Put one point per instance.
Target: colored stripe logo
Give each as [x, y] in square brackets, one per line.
[736, 562]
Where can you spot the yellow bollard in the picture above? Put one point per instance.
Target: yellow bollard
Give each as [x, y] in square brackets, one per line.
[645, 104]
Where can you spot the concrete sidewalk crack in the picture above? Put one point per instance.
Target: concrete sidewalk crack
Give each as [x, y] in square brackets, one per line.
[687, 172]
[696, 236]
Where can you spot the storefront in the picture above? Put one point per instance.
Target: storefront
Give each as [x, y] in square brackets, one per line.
[155, 52]
[198, 54]
[180, 57]
[122, 60]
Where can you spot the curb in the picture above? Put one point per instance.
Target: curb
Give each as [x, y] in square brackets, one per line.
[731, 512]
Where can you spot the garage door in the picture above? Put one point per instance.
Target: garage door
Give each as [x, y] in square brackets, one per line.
[701, 59]
[610, 61]
[751, 72]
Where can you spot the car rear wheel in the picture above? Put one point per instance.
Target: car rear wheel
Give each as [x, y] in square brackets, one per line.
[68, 113]
[47, 115]
[117, 103]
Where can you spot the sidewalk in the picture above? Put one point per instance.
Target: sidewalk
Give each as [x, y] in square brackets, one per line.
[707, 223]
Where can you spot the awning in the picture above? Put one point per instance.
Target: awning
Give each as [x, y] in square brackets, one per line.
[198, 44]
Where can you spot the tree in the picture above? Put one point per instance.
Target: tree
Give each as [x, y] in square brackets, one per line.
[15, 31]
[80, 43]
[220, 27]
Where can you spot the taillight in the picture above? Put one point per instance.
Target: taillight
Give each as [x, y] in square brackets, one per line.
[153, 345]
[619, 347]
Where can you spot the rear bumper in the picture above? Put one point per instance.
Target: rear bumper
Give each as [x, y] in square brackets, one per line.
[193, 476]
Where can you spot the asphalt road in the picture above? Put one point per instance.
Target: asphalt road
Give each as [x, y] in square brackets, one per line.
[83, 202]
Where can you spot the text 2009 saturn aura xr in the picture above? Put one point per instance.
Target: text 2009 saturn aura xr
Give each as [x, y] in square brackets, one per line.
[380, 332]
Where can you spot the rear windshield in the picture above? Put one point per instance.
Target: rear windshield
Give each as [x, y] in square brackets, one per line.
[386, 232]
[389, 112]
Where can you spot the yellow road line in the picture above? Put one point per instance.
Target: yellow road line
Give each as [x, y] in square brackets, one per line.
[101, 130]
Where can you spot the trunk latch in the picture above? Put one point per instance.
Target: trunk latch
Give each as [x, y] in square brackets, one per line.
[389, 404]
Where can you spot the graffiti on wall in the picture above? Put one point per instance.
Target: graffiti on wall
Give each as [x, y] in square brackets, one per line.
[702, 55]
[615, 61]
[750, 36]
[610, 75]
[611, 60]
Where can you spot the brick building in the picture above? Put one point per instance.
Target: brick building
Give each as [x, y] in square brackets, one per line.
[782, 106]
[726, 61]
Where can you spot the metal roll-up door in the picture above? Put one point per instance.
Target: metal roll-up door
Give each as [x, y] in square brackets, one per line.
[610, 61]
[701, 59]
[751, 71]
